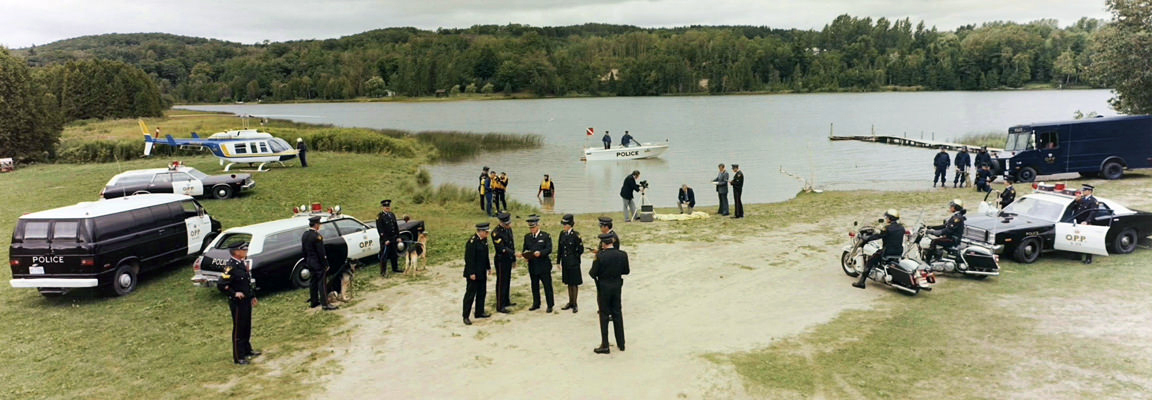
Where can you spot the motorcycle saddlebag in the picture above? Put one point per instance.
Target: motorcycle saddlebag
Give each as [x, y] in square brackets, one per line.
[980, 259]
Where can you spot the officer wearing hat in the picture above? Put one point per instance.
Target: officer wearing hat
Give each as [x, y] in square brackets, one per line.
[389, 237]
[983, 158]
[893, 236]
[962, 162]
[608, 269]
[476, 270]
[1086, 205]
[302, 152]
[950, 231]
[317, 261]
[1009, 194]
[237, 283]
[538, 250]
[569, 248]
[606, 228]
[504, 243]
[737, 183]
[941, 162]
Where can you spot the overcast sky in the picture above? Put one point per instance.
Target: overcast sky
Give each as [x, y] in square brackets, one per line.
[27, 22]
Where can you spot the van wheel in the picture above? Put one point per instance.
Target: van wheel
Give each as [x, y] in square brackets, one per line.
[221, 191]
[301, 276]
[123, 279]
[1027, 251]
[1112, 170]
[1026, 174]
[1125, 242]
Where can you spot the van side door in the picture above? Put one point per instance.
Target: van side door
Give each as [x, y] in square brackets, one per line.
[187, 185]
[198, 225]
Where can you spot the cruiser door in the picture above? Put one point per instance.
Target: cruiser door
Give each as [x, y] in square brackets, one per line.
[198, 224]
[356, 235]
[185, 184]
[1081, 238]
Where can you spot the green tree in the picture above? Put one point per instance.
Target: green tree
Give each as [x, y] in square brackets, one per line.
[30, 122]
[1123, 49]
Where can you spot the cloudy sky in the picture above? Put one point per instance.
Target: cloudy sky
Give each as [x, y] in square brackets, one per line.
[27, 22]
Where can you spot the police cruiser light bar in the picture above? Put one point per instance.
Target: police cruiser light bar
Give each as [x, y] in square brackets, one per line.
[315, 209]
[1058, 188]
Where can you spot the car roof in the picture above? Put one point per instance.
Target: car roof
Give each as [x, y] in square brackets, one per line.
[270, 227]
[1064, 199]
[89, 209]
[151, 171]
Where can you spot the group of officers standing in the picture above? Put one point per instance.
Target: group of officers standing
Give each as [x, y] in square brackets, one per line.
[608, 267]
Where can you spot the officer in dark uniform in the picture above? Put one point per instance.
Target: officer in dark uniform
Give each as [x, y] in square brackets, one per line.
[983, 158]
[983, 177]
[606, 228]
[538, 251]
[963, 161]
[607, 139]
[1009, 194]
[237, 283]
[389, 238]
[950, 232]
[302, 152]
[737, 183]
[941, 163]
[607, 270]
[569, 248]
[505, 258]
[1086, 205]
[476, 269]
[317, 262]
[893, 236]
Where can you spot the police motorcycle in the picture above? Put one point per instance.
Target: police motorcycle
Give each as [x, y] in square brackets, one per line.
[907, 275]
[974, 261]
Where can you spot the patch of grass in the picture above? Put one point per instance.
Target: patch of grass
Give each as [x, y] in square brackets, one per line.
[991, 139]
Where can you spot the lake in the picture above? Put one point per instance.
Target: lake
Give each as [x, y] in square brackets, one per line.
[762, 133]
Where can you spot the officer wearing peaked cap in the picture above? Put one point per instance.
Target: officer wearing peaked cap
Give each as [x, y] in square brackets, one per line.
[317, 261]
[389, 232]
[504, 244]
[237, 283]
[1086, 205]
[608, 270]
[606, 228]
[538, 250]
[476, 270]
[569, 248]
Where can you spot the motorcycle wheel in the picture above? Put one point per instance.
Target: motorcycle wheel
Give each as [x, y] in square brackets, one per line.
[978, 277]
[848, 264]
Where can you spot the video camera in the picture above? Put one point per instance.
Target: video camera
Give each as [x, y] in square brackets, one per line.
[644, 184]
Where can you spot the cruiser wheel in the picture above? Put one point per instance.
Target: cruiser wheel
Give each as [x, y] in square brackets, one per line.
[301, 276]
[848, 264]
[221, 191]
[123, 279]
[1125, 242]
[1027, 251]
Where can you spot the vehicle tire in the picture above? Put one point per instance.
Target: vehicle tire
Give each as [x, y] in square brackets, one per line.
[301, 276]
[1125, 242]
[1026, 174]
[1112, 170]
[221, 191]
[124, 279]
[1027, 251]
[848, 264]
[1089, 174]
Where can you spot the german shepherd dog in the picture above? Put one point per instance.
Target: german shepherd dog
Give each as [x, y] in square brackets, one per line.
[415, 253]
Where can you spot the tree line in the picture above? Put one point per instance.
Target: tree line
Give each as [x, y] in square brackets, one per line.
[848, 54]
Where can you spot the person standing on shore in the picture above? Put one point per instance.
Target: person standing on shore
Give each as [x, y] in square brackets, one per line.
[480, 189]
[504, 243]
[389, 232]
[317, 261]
[963, 161]
[626, 193]
[606, 229]
[569, 248]
[721, 182]
[476, 270]
[302, 152]
[737, 189]
[237, 283]
[941, 163]
[538, 252]
[983, 158]
[500, 190]
[608, 269]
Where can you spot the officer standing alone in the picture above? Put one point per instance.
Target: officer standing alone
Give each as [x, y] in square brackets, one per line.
[538, 252]
[1086, 205]
[389, 232]
[569, 248]
[313, 243]
[941, 163]
[237, 283]
[737, 189]
[504, 243]
[608, 270]
[476, 269]
[302, 152]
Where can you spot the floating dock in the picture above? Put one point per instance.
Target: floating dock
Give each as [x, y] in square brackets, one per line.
[903, 141]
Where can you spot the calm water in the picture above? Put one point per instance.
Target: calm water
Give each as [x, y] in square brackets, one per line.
[761, 133]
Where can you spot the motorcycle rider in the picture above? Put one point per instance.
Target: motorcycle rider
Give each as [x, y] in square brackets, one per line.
[893, 235]
[950, 232]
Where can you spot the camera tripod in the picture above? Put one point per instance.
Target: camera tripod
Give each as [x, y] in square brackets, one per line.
[643, 202]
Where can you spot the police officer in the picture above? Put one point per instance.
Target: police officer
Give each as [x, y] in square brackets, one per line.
[476, 270]
[893, 236]
[505, 258]
[737, 189]
[1009, 194]
[983, 158]
[963, 161]
[313, 243]
[302, 152]
[607, 139]
[607, 270]
[950, 231]
[237, 283]
[569, 248]
[983, 177]
[941, 163]
[538, 250]
[606, 228]
[626, 140]
[1086, 205]
[389, 232]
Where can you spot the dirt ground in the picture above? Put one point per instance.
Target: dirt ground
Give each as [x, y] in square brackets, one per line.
[681, 301]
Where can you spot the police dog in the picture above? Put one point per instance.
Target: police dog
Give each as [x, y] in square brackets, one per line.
[418, 251]
[344, 292]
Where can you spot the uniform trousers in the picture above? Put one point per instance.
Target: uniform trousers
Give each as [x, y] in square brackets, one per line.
[608, 298]
[476, 292]
[736, 192]
[544, 279]
[503, 283]
[940, 176]
[241, 327]
[389, 254]
[318, 288]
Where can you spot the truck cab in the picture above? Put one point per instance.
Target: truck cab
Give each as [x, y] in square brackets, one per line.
[1090, 147]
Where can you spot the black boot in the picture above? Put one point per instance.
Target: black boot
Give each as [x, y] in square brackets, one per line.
[860, 282]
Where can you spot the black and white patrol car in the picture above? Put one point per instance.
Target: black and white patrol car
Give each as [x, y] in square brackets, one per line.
[106, 243]
[1045, 220]
[276, 252]
[177, 179]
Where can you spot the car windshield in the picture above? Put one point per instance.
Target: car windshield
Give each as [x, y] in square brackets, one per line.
[1036, 208]
[1018, 141]
[196, 174]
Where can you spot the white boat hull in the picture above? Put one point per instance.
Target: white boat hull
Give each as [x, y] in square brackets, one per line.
[646, 150]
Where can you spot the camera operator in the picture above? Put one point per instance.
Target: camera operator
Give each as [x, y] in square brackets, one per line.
[626, 193]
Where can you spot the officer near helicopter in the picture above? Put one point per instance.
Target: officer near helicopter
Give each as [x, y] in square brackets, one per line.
[950, 232]
[893, 236]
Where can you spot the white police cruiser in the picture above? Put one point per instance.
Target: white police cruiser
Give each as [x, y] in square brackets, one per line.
[178, 179]
[276, 253]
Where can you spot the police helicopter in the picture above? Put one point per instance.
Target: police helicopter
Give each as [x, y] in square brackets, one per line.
[234, 146]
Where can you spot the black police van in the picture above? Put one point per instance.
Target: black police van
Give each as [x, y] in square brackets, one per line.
[1090, 147]
[106, 243]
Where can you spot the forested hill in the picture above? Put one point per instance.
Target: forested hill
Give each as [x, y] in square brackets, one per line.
[598, 59]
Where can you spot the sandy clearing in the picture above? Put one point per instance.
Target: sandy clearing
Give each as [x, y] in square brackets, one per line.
[681, 301]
